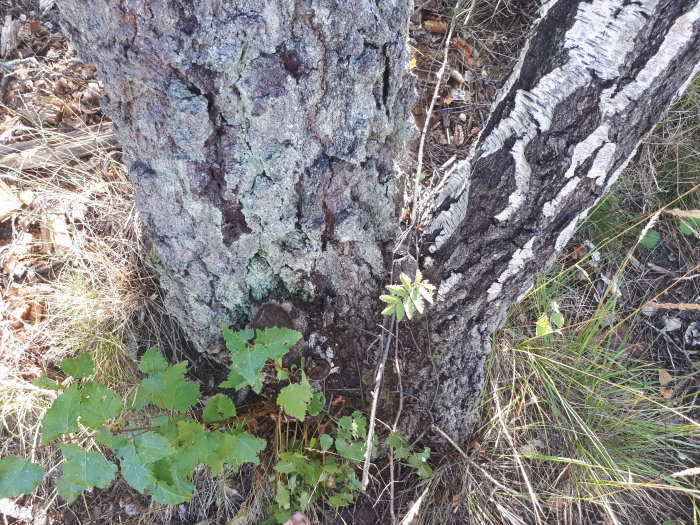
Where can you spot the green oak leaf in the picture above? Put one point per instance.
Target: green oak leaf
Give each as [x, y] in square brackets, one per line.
[86, 469]
[218, 407]
[62, 417]
[98, 404]
[152, 362]
[80, 366]
[18, 476]
[295, 398]
[236, 340]
[277, 341]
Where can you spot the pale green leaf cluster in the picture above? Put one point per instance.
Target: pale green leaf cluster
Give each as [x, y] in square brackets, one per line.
[409, 297]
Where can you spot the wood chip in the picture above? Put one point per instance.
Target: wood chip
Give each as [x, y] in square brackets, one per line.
[435, 26]
[9, 36]
[9, 202]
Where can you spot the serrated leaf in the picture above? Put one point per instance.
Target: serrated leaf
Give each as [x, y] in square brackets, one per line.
[277, 341]
[426, 292]
[152, 447]
[98, 403]
[405, 280]
[170, 488]
[650, 239]
[80, 366]
[389, 309]
[408, 307]
[247, 364]
[543, 327]
[419, 461]
[86, 469]
[62, 417]
[188, 430]
[246, 449]
[45, 382]
[168, 389]
[389, 299]
[215, 449]
[399, 311]
[396, 290]
[67, 490]
[182, 394]
[18, 476]
[218, 407]
[318, 401]
[283, 496]
[326, 442]
[153, 362]
[234, 380]
[132, 468]
[236, 340]
[295, 398]
[399, 445]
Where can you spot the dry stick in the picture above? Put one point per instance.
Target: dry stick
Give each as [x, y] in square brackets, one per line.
[436, 95]
[386, 342]
[392, 493]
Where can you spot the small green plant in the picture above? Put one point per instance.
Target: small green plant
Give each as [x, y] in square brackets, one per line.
[408, 297]
[160, 457]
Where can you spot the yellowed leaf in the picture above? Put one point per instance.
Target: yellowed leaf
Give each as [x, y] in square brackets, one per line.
[412, 63]
[664, 379]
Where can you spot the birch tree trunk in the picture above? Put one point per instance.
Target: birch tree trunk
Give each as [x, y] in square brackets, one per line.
[595, 77]
[261, 142]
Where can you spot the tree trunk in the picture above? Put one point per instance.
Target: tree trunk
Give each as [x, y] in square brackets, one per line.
[262, 142]
[594, 78]
[261, 139]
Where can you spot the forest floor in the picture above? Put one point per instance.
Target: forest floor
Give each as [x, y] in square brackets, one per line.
[591, 412]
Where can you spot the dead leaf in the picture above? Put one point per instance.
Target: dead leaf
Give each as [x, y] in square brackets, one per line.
[8, 201]
[412, 63]
[578, 253]
[466, 49]
[27, 197]
[556, 502]
[664, 379]
[405, 213]
[435, 26]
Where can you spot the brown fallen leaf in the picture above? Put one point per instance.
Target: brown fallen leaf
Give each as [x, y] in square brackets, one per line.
[556, 502]
[664, 379]
[435, 26]
[466, 49]
[405, 213]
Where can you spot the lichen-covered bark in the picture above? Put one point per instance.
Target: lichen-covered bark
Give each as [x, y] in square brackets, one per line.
[595, 77]
[261, 139]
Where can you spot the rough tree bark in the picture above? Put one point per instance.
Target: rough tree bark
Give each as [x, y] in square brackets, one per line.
[261, 137]
[261, 140]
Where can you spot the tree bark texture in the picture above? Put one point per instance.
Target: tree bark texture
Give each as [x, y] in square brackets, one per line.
[261, 139]
[595, 77]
